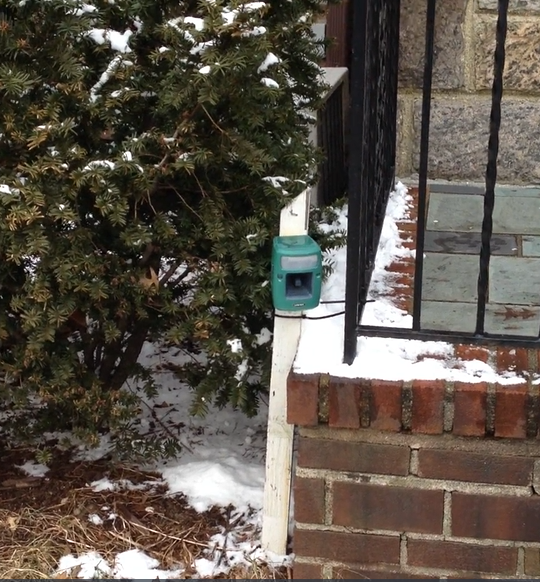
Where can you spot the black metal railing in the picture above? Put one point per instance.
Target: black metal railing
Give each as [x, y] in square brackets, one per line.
[373, 129]
[374, 70]
[332, 182]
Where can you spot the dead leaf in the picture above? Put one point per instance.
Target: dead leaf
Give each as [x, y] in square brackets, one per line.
[151, 280]
[71, 574]
[12, 522]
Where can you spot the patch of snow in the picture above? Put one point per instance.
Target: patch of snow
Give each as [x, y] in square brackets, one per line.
[34, 469]
[205, 70]
[99, 164]
[227, 481]
[112, 67]
[103, 485]
[201, 47]
[270, 83]
[91, 565]
[119, 41]
[131, 564]
[253, 6]
[85, 9]
[5, 189]
[135, 564]
[236, 345]
[264, 337]
[228, 16]
[95, 519]
[205, 568]
[270, 60]
[256, 31]
[276, 181]
[198, 23]
[235, 553]
[320, 348]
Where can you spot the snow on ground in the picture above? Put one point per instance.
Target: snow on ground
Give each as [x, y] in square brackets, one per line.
[221, 464]
[321, 343]
[131, 564]
[34, 469]
[223, 458]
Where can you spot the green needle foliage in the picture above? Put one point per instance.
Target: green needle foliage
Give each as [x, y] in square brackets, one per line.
[146, 150]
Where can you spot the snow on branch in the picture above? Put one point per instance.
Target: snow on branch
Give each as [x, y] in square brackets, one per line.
[119, 41]
[113, 66]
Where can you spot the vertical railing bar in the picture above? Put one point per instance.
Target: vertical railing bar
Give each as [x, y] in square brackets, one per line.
[491, 170]
[321, 193]
[328, 160]
[424, 159]
[328, 141]
[371, 194]
[356, 169]
[341, 141]
[393, 74]
[334, 140]
[341, 159]
[328, 145]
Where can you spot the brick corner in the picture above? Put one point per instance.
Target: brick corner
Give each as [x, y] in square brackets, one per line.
[303, 399]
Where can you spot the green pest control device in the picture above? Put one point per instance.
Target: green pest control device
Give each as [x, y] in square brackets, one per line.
[296, 273]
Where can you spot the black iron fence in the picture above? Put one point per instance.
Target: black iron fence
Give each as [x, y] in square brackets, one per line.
[373, 132]
[332, 182]
[374, 70]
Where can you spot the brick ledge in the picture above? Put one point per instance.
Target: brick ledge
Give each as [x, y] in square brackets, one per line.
[418, 407]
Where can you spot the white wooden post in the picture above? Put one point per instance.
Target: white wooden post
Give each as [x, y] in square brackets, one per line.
[279, 447]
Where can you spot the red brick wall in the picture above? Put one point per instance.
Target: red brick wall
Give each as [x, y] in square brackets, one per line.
[421, 480]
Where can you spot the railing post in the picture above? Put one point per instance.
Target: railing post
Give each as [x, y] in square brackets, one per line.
[357, 129]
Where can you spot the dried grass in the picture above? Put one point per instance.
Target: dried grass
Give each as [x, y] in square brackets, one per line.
[33, 539]
[43, 520]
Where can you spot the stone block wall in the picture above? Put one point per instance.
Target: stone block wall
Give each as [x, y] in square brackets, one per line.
[464, 45]
[402, 480]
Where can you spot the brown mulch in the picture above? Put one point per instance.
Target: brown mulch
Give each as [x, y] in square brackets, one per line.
[45, 518]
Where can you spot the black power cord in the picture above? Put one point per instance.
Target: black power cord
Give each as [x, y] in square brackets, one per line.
[329, 316]
[306, 317]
